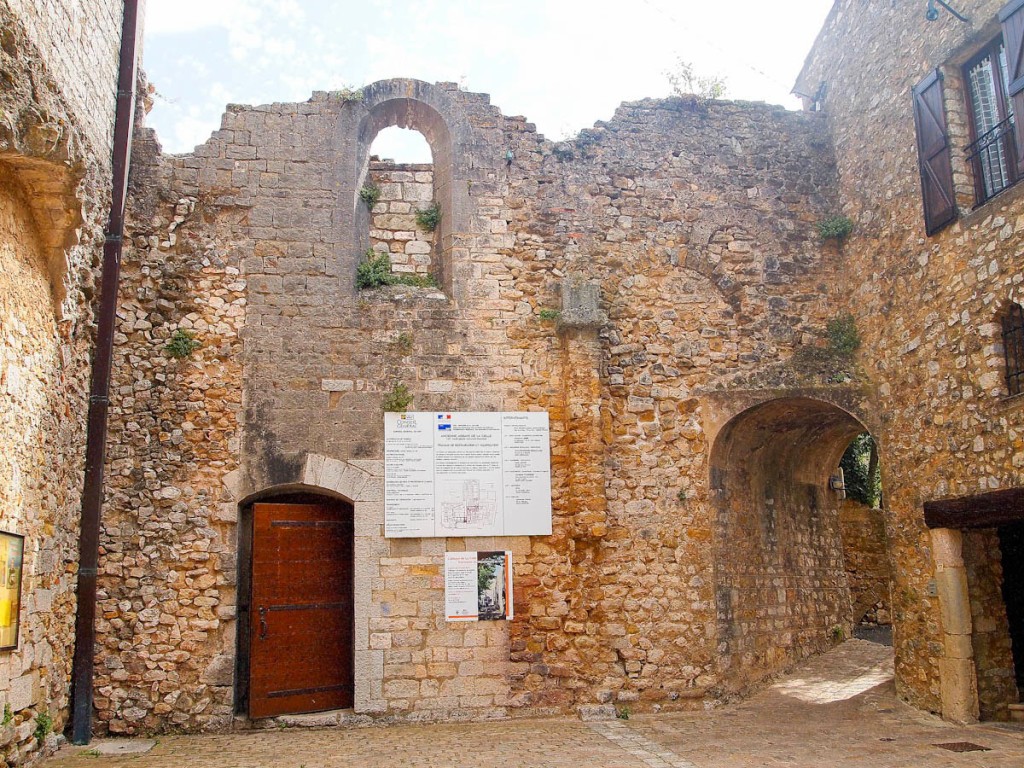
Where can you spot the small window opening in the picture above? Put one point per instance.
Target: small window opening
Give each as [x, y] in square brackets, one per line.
[405, 219]
[1013, 348]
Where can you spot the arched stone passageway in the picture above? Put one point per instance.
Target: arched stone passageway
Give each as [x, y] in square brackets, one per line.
[781, 587]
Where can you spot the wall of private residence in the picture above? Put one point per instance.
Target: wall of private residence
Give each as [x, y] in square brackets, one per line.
[929, 307]
[59, 67]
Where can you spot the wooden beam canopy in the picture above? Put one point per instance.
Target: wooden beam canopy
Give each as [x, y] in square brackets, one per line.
[986, 510]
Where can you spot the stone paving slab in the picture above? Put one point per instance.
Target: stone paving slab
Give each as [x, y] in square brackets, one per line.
[837, 710]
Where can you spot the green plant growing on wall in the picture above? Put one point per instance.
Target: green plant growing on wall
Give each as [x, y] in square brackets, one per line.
[370, 194]
[688, 85]
[549, 315]
[374, 271]
[623, 713]
[398, 399]
[681, 496]
[8, 714]
[838, 633]
[429, 218]
[44, 724]
[835, 228]
[347, 93]
[402, 343]
[842, 334]
[182, 344]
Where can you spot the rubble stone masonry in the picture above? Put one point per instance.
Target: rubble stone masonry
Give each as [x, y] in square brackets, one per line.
[692, 221]
[928, 308]
[59, 64]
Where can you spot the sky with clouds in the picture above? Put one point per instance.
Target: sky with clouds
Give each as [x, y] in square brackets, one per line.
[564, 64]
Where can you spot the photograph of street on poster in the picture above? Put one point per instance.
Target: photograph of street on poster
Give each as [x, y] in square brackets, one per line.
[490, 585]
[478, 586]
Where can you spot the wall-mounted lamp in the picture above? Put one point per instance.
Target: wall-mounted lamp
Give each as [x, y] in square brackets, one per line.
[836, 482]
[932, 13]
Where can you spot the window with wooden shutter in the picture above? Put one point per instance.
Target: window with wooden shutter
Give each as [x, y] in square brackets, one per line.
[1012, 18]
[991, 153]
[934, 153]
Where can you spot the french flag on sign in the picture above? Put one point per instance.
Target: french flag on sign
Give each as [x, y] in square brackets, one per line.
[445, 421]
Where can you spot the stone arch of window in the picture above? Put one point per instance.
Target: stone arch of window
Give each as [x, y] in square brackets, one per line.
[431, 111]
[781, 586]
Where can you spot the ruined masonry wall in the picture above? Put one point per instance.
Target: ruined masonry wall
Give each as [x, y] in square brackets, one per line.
[405, 189]
[694, 220]
[59, 62]
[927, 307]
[78, 42]
[867, 562]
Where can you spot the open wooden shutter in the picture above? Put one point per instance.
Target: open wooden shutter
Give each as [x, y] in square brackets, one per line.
[1012, 18]
[933, 153]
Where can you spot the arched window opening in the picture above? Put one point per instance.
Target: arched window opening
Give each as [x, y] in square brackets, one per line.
[1013, 348]
[404, 220]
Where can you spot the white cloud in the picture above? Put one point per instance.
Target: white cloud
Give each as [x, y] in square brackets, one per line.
[562, 64]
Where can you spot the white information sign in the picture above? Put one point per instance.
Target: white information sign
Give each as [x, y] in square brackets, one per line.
[466, 474]
[477, 586]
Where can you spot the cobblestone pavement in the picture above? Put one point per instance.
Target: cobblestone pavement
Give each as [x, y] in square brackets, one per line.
[838, 709]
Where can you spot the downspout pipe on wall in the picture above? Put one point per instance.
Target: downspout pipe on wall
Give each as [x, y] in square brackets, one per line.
[99, 392]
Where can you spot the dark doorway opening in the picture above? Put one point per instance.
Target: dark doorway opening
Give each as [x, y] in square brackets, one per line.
[1011, 545]
[296, 620]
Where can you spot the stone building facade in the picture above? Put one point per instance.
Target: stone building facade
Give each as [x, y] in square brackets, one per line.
[406, 189]
[657, 285]
[930, 306]
[59, 65]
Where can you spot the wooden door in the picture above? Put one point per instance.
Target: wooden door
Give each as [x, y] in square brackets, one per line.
[301, 624]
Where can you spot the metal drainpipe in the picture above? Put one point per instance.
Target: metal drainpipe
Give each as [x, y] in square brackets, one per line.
[99, 400]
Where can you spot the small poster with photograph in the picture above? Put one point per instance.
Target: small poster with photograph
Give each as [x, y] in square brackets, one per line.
[12, 551]
[478, 586]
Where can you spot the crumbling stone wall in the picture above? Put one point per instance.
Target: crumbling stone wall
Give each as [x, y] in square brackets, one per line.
[405, 189]
[59, 66]
[990, 632]
[926, 306]
[866, 560]
[690, 224]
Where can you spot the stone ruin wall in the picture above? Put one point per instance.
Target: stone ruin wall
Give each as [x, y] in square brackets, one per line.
[866, 557]
[59, 63]
[405, 189]
[695, 222]
[927, 308]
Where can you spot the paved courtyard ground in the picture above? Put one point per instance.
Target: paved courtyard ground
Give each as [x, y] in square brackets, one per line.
[837, 710]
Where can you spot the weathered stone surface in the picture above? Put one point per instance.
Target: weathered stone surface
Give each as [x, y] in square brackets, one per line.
[928, 308]
[620, 603]
[59, 68]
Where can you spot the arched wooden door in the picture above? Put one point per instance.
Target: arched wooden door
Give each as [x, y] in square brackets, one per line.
[300, 610]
